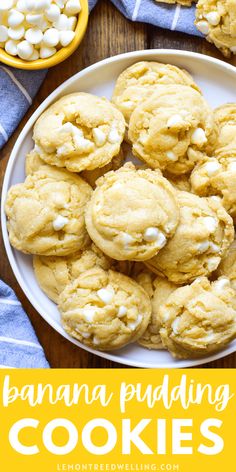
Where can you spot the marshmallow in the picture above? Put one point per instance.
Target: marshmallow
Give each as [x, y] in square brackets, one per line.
[113, 136]
[175, 121]
[59, 222]
[11, 47]
[15, 18]
[16, 33]
[198, 137]
[203, 27]
[105, 295]
[3, 33]
[51, 37]
[34, 35]
[25, 49]
[99, 136]
[46, 52]
[6, 5]
[66, 37]
[72, 7]
[53, 12]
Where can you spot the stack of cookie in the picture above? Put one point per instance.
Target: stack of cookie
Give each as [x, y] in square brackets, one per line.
[134, 252]
[215, 19]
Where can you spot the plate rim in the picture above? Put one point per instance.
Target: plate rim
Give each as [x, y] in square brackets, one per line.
[139, 55]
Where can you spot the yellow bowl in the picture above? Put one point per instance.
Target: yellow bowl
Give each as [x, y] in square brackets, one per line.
[60, 55]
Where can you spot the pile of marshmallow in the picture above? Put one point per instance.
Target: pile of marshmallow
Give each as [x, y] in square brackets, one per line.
[36, 29]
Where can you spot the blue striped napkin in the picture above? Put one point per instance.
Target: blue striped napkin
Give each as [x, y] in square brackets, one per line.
[19, 346]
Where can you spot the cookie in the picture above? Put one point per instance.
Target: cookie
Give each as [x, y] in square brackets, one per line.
[227, 266]
[139, 81]
[185, 3]
[216, 19]
[202, 238]
[80, 131]
[199, 319]
[180, 182]
[104, 310]
[173, 129]
[46, 213]
[162, 288]
[55, 273]
[33, 162]
[217, 175]
[91, 176]
[132, 213]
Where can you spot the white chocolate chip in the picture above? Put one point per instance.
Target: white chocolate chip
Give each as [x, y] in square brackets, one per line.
[66, 37]
[21, 6]
[175, 121]
[61, 23]
[127, 239]
[203, 247]
[214, 248]
[233, 49]
[221, 284]
[41, 5]
[198, 137]
[6, 5]
[72, 7]
[122, 311]
[213, 263]
[210, 223]
[53, 13]
[3, 33]
[151, 234]
[59, 222]
[83, 145]
[161, 240]
[16, 33]
[11, 47]
[96, 340]
[25, 49]
[128, 105]
[72, 22]
[34, 56]
[213, 18]
[106, 295]
[51, 37]
[203, 27]
[89, 313]
[113, 136]
[34, 19]
[212, 167]
[171, 156]
[61, 150]
[99, 136]
[232, 167]
[15, 18]
[133, 324]
[175, 326]
[46, 52]
[34, 35]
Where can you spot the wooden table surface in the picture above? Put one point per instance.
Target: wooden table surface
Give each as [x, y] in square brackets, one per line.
[108, 34]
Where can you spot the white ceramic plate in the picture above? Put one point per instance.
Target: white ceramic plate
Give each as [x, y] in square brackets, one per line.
[218, 83]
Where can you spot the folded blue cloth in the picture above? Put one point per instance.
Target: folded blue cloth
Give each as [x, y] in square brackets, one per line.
[19, 346]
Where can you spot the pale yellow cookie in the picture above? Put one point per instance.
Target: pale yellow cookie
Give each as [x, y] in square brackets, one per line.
[173, 129]
[216, 19]
[55, 273]
[202, 238]
[199, 319]
[91, 176]
[139, 81]
[185, 3]
[217, 175]
[104, 310]
[162, 288]
[33, 162]
[132, 213]
[46, 213]
[180, 182]
[227, 266]
[79, 131]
